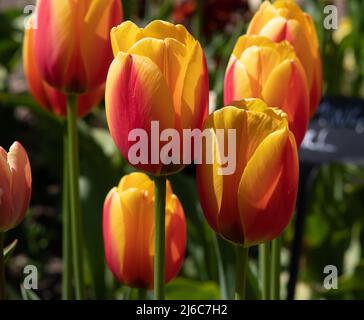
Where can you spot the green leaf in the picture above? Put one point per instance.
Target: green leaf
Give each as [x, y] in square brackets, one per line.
[98, 175]
[28, 294]
[182, 288]
[8, 251]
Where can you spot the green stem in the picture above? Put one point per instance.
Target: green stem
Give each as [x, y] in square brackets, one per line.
[242, 256]
[142, 294]
[276, 268]
[67, 241]
[264, 266]
[159, 236]
[220, 266]
[76, 219]
[2, 267]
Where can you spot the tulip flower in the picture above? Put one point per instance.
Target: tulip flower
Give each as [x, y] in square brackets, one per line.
[284, 20]
[159, 74]
[256, 202]
[46, 96]
[72, 42]
[260, 68]
[15, 186]
[128, 229]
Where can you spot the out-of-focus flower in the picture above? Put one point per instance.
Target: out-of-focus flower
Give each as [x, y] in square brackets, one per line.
[15, 186]
[260, 68]
[159, 74]
[183, 9]
[128, 228]
[345, 29]
[284, 20]
[46, 96]
[256, 202]
[217, 15]
[72, 42]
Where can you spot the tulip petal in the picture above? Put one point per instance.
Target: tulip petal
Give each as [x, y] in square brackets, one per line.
[292, 79]
[124, 36]
[5, 192]
[139, 218]
[100, 15]
[175, 237]
[237, 83]
[113, 231]
[165, 53]
[57, 43]
[162, 29]
[261, 17]
[266, 210]
[21, 180]
[136, 94]
[194, 99]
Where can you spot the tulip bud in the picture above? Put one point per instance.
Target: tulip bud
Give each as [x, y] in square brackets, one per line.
[284, 20]
[15, 186]
[46, 96]
[260, 68]
[128, 228]
[159, 74]
[72, 42]
[256, 202]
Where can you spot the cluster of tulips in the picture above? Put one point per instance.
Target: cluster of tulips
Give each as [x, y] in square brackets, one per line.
[77, 52]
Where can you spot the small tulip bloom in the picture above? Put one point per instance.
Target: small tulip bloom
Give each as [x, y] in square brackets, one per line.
[46, 96]
[15, 186]
[128, 228]
[72, 42]
[284, 20]
[260, 68]
[159, 74]
[255, 203]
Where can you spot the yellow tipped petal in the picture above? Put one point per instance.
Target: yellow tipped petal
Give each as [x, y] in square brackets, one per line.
[124, 36]
[266, 210]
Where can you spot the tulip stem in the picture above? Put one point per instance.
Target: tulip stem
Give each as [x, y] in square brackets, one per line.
[159, 235]
[67, 241]
[76, 219]
[2, 267]
[276, 268]
[264, 266]
[242, 257]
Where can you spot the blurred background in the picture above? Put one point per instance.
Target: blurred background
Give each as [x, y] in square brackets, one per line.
[334, 202]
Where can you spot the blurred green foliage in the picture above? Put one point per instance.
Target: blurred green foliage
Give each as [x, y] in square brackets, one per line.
[334, 228]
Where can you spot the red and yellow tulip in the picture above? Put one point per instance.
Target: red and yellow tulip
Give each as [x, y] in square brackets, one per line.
[159, 74]
[128, 228]
[260, 68]
[46, 96]
[72, 42]
[15, 186]
[284, 20]
[256, 202]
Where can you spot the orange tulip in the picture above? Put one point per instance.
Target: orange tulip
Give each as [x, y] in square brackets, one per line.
[284, 20]
[15, 186]
[46, 96]
[256, 202]
[260, 68]
[128, 228]
[159, 74]
[73, 44]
